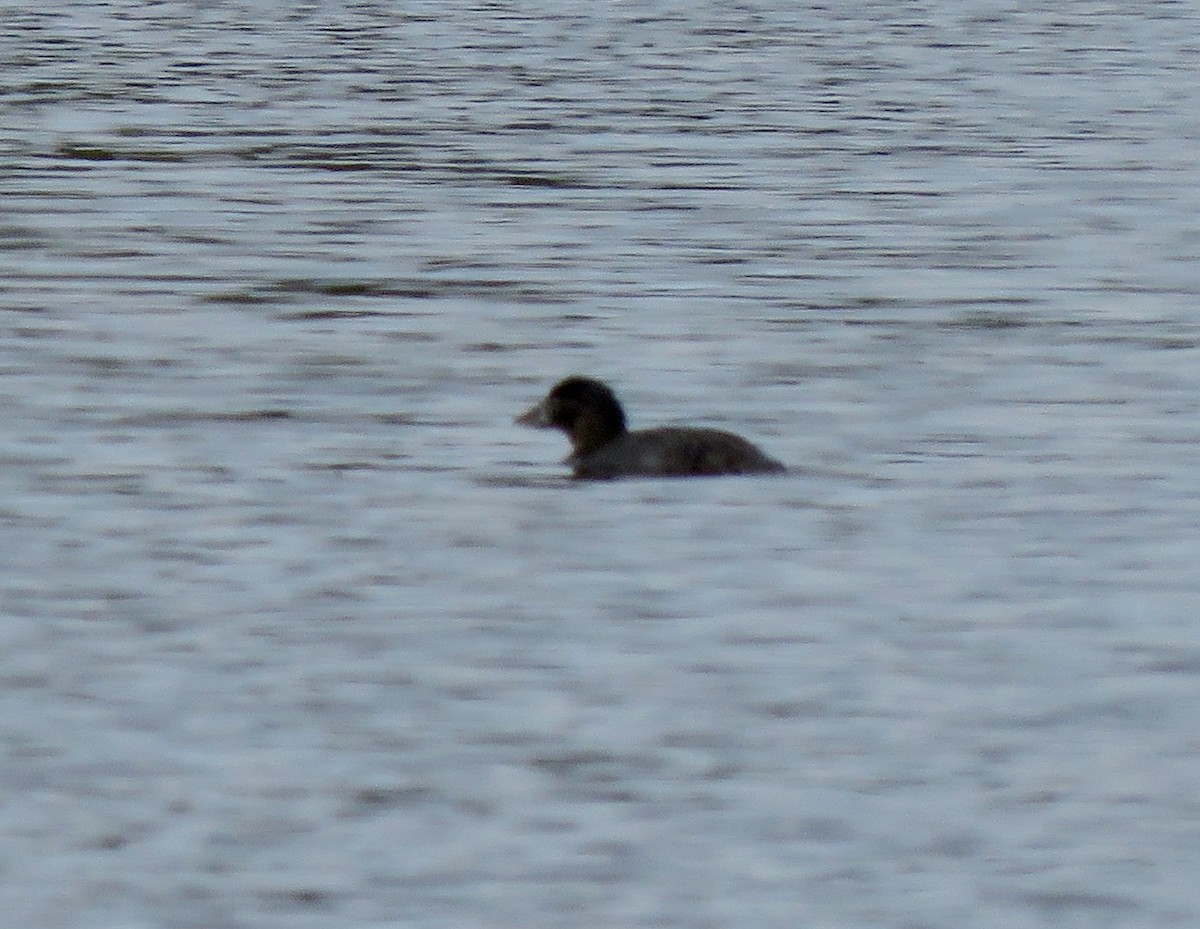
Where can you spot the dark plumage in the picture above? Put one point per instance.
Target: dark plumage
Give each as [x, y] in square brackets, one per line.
[589, 413]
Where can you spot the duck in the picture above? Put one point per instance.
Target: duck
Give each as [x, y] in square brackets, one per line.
[603, 448]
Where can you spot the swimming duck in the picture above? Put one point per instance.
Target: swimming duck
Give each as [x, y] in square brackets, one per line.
[589, 413]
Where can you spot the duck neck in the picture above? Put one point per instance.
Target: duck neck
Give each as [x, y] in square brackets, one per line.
[593, 430]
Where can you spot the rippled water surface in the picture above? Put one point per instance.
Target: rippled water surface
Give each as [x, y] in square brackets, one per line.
[298, 630]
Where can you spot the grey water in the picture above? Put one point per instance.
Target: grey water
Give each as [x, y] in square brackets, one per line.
[297, 629]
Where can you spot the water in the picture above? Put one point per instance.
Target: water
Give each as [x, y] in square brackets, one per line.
[298, 630]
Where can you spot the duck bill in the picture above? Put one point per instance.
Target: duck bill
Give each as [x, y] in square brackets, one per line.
[534, 416]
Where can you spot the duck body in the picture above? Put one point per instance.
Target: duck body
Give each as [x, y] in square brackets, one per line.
[604, 448]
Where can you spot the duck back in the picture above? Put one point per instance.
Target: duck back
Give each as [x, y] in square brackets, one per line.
[674, 452]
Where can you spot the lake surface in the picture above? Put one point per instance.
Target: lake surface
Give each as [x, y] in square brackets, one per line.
[298, 630]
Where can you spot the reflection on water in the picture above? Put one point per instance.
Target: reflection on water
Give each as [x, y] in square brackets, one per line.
[299, 630]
